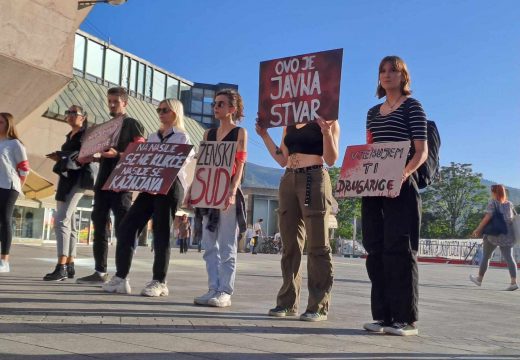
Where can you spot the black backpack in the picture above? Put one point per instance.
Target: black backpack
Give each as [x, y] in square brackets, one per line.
[429, 171]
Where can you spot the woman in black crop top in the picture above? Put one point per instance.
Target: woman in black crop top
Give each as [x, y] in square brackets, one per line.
[305, 196]
[391, 225]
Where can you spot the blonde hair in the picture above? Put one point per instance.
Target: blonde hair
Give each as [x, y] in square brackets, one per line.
[178, 109]
[11, 129]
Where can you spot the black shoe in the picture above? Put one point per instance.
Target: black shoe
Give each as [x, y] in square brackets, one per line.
[70, 270]
[94, 279]
[59, 274]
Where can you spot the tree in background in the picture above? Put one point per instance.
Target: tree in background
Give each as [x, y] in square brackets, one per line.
[453, 206]
[348, 208]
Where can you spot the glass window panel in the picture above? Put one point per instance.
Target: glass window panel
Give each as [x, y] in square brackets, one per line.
[140, 79]
[95, 58]
[207, 119]
[148, 82]
[185, 95]
[196, 106]
[79, 52]
[197, 94]
[197, 118]
[133, 75]
[113, 67]
[172, 88]
[209, 95]
[125, 72]
[159, 85]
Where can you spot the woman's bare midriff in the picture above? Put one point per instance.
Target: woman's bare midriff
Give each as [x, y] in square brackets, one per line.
[298, 160]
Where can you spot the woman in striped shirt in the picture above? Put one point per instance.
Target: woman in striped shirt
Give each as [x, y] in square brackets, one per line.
[391, 225]
[14, 168]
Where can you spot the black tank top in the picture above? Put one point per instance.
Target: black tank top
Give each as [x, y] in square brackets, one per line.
[230, 136]
[305, 140]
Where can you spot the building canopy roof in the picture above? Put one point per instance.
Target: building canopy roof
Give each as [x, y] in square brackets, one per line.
[92, 97]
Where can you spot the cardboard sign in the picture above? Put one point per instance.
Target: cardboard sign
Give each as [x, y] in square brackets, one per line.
[372, 170]
[100, 137]
[294, 90]
[148, 167]
[213, 171]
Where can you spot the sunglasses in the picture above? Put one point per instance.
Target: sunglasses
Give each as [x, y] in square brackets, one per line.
[73, 113]
[162, 110]
[219, 104]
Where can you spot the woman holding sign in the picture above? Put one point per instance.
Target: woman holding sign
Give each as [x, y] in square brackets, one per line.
[391, 225]
[220, 227]
[305, 196]
[161, 208]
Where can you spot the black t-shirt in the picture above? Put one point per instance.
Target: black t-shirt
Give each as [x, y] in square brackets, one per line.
[130, 131]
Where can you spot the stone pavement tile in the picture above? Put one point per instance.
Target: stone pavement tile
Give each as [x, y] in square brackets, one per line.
[457, 319]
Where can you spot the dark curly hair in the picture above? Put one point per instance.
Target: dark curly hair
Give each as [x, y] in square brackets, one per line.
[235, 100]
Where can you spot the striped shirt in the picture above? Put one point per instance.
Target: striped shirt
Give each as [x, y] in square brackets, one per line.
[407, 122]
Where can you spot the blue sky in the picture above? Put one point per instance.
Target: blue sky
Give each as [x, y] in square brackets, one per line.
[463, 56]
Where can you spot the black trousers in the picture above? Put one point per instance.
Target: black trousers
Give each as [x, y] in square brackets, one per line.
[183, 245]
[391, 228]
[161, 208]
[104, 201]
[7, 199]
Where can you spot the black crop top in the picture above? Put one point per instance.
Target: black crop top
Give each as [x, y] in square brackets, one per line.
[305, 140]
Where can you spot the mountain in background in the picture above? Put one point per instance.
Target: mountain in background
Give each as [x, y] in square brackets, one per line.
[266, 177]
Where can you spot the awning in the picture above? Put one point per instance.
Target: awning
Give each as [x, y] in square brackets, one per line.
[37, 187]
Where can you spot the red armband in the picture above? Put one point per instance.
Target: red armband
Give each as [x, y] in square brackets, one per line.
[241, 156]
[23, 168]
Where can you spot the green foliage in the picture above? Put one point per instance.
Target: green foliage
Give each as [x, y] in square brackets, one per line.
[453, 206]
[348, 208]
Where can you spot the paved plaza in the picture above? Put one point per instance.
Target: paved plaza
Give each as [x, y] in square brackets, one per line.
[62, 320]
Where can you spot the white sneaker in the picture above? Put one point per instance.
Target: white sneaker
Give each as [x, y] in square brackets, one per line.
[376, 326]
[4, 266]
[203, 299]
[512, 287]
[117, 285]
[474, 280]
[222, 299]
[155, 288]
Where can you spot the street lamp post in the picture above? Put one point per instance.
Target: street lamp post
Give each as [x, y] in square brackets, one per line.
[84, 4]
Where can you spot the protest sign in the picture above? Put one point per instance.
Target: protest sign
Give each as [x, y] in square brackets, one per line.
[148, 167]
[372, 170]
[100, 137]
[212, 178]
[294, 90]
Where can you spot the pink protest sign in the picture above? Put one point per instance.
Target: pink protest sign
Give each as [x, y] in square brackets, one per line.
[372, 170]
[213, 173]
[148, 167]
[296, 89]
[100, 137]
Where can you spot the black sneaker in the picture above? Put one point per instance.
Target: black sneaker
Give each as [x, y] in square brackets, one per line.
[94, 279]
[401, 329]
[280, 311]
[59, 274]
[313, 316]
[70, 270]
